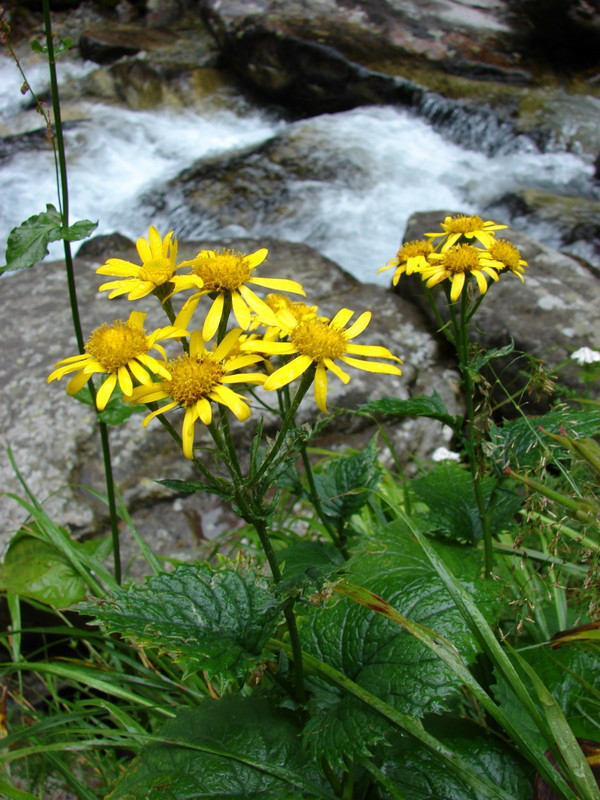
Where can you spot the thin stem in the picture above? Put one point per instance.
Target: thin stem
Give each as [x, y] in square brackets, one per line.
[316, 500]
[63, 194]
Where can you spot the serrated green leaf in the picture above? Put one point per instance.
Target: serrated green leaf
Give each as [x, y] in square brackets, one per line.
[520, 444]
[28, 243]
[431, 406]
[379, 655]
[230, 749]
[34, 569]
[212, 619]
[570, 674]
[345, 483]
[306, 565]
[423, 776]
[447, 490]
[115, 412]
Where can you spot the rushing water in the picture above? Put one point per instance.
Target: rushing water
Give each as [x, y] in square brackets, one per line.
[396, 164]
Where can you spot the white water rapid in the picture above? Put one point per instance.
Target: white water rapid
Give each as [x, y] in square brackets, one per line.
[396, 164]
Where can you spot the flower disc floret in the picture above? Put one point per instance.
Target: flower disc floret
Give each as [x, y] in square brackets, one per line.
[457, 264]
[158, 257]
[320, 343]
[225, 274]
[508, 255]
[467, 226]
[411, 257]
[121, 350]
[198, 378]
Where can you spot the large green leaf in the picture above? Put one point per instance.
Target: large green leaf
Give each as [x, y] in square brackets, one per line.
[520, 444]
[36, 569]
[231, 749]
[344, 484]
[431, 406]
[377, 653]
[307, 564]
[421, 775]
[28, 243]
[213, 619]
[570, 674]
[452, 508]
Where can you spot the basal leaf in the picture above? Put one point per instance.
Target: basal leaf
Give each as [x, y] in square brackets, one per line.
[344, 483]
[212, 619]
[235, 748]
[28, 243]
[448, 492]
[306, 565]
[431, 406]
[35, 569]
[423, 776]
[377, 653]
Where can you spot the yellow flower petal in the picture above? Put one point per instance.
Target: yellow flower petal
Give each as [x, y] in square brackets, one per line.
[359, 326]
[235, 402]
[288, 372]
[77, 383]
[105, 391]
[320, 388]
[343, 316]
[280, 284]
[240, 311]
[211, 323]
[204, 410]
[337, 370]
[187, 431]
[156, 412]
[458, 281]
[125, 383]
[372, 366]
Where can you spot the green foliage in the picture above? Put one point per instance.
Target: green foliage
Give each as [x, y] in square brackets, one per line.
[28, 243]
[116, 412]
[36, 569]
[306, 565]
[377, 654]
[345, 483]
[431, 406]
[452, 509]
[233, 749]
[422, 776]
[521, 444]
[212, 619]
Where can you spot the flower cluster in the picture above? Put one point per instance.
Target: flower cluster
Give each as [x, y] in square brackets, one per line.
[296, 342]
[468, 249]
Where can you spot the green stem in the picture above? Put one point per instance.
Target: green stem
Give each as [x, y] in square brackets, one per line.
[63, 194]
[316, 501]
[462, 349]
[288, 420]
[263, 535]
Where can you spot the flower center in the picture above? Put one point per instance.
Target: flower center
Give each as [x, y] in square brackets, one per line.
[298, 309]
[419, 247]
[225, 270]
[314, 338]
[157, 271]
[505, 252]
[462, 223]
[116, 344]
[193, 377]
[462, 258]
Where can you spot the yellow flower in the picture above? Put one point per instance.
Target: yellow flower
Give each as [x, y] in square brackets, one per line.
[318, 341]
[223, 272]
[456, 264]
[411, 257]
[508, 256]
[468, 226]
[198, 377]
[158, 267]
[121, 350]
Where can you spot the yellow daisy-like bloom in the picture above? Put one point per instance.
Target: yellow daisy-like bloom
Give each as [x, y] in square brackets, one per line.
[412, 257]
[158, 258]
[322, 342]
[198, 377]
[121, 350]
[471, 227]
[456, 264]
[300, 310]
[221, 273]
[509, 256]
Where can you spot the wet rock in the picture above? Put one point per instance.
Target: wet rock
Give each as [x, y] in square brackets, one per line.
[105, 45]
[54, 440]
[572, 223]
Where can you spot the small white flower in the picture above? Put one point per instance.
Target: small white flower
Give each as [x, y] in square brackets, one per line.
[443, 454]
[585, 355]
